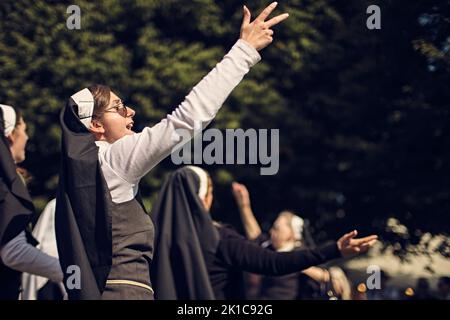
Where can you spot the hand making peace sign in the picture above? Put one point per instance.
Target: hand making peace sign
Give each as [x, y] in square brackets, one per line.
[258, 33]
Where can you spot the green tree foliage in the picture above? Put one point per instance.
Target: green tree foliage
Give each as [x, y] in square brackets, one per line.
[363, 114]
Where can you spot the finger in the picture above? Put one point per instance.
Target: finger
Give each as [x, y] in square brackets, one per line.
[370, 243]
[358, 242]
[350, 235]
[366, 246]
[267, 11]
[247, 17]
[276, 20]
[269, 32]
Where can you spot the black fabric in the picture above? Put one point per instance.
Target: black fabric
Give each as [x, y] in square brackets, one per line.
[82, 222]
[185, 237]
[16, 210]
[292, 286]
[236, 254]
[280, 288]
[50, 291]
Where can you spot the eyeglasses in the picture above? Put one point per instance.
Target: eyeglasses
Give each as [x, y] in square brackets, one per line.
[119, 108]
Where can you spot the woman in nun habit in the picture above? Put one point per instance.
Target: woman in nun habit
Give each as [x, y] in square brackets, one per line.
[199, 258]
[17, 251]
[104, 236]
[289, 232]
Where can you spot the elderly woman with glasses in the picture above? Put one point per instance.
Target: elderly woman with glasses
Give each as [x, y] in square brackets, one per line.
[105, 237]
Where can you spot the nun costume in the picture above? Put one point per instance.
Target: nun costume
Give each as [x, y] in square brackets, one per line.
[17, 251]
[101, 225]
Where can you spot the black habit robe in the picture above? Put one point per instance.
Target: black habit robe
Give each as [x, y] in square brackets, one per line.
[16, 211]
[83, 224]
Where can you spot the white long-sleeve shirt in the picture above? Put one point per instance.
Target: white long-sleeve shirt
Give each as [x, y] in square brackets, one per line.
[128, 159]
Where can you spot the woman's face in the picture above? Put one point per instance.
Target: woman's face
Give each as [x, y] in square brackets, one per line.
[18, 141]
[281, 232]
[115, 122]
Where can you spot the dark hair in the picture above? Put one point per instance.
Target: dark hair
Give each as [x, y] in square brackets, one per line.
[102, 95]
[19, 116]
[20, 170]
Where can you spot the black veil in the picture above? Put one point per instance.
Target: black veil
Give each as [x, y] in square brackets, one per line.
[82, 222]
[185, 239]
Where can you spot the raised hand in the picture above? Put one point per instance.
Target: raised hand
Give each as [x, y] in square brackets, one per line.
[258, 32]
[241, 194]
[350, 246]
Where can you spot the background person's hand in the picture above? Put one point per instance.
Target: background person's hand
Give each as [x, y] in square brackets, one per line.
[350, 246]
[241, 194]
[258, 33]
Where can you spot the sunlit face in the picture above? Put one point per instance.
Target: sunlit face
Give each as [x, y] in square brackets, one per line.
[281, 232]
[18, 141]
[115, 122]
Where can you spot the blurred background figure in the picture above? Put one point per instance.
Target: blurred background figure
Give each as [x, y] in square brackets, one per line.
[422, 290]
[444, 288]
[289, 232]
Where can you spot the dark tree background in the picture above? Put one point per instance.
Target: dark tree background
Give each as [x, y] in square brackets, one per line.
[363, 114]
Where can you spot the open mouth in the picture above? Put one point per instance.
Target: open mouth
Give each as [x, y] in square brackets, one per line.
[130, 126]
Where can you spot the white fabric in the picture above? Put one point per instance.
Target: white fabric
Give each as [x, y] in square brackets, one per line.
[127, 160]
[85, 102]
[44, 232]
[203, 176]
[297, 225]
[9, 116]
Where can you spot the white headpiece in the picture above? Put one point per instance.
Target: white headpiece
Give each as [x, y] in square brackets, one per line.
[297, 225]
[85, 101]
[203, 176]
[9, 116]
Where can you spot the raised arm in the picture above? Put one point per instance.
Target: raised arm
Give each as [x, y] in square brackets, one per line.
[133, 156]
[242, 197]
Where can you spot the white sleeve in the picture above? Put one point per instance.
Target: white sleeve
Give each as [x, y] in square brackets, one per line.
[133, 156]
[19, 255]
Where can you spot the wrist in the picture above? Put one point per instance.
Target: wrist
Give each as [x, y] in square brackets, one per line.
[245, 207]
[247, 42]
